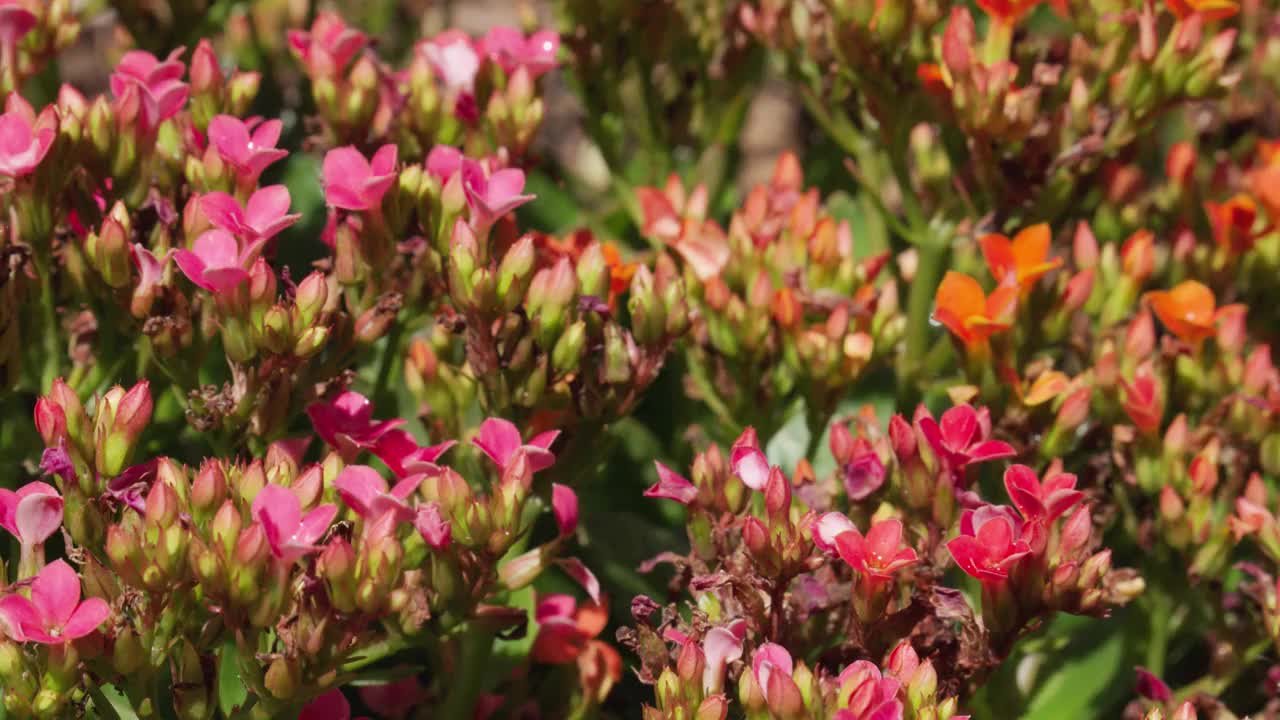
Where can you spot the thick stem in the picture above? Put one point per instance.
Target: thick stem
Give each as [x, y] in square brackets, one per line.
[464, 684]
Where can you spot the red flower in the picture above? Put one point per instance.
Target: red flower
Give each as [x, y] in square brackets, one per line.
[1232, 223]
[1044, 502]
[1142, 401]
[957, 441]
[1209, 10]
[878, 555]
[990, 543]
[1007, 11]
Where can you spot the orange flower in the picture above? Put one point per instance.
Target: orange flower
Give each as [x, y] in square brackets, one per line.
[1189, 310]
[1022, 261]
[969, 313]
[1264, 183]
[1209, 10]
[1232, 223]
[1007, 11]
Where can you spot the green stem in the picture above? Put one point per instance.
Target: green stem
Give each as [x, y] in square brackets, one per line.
[48, 317]
[464, 684]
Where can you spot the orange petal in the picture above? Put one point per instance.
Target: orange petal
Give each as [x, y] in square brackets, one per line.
[1000, 255]
[1031, 246]
[959, 297]
[1187, 310]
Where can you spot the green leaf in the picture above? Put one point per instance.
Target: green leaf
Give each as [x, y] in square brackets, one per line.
[111, 704]
[232, 692]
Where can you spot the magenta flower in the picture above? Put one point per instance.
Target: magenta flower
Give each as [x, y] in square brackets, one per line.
[672, 486]
[564, 502]
[214, 261]
[365, 492]
[329, 47]
[265, 216]
[353, 183]
[249, 147]
[872, 696]
[510, 49]
[454, 58]
[332, 705]
[990, 543]
[25, 139]
[490, 196]
[405, 457]
[500, 440]
[1041, 502]
[31, 514]
[290, 534]
[771, 666]
[443, 161]
[959, 440]
[347, 424]
[54, 615]
[432, 526]
[877, 555]
[156, 85]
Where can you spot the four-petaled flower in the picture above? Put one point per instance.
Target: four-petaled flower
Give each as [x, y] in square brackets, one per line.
[249, 147]
[500, 440]
[330, 45]
[215, 261]
[491, 195]
[990, 543]
[959, 440]
[290, 534]
[1043, 502]
[347, 424]
[878, 555]
[25, 138]
[872, 695]
[265, 216]
[1022, 261]
[365, 491]
[54, 615]
[969, 313]
[455, 59]
[405, 457]
[154, 85]
[353, 183]
[511, 49]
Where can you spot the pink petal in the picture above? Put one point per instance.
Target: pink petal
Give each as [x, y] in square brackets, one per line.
[504, 185]
[828, 527]
[266, 206]
[266, 135]
[223, 212]
[672, 486]
[332, 705]
[554, 606]
[87, 617]
[315, 524]
[384, 160]
[8, 507]
[564, 502]
[990, 450]
[56, 592]
[750, 465]
[497, 438]
[574, 568]
[720, 647]
[217, 249]
[230, 138]
[279, 511]
[17, 616]
[433, 527]
[37, 517]
[358, 485]
[773, 657]
[544, 440]
[443, 161]
[959, 424]
[884, 538]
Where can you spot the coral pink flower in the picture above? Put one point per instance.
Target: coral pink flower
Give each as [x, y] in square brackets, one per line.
[771, 666]
[432, 526]
[353, 183]
[872, 696]
[1036, 501]
[959, 441]
[564, 501]
[347, 424]
[510, 49]
[214, 262]
[490, 196]
[265, 216]
[54, 615]
[672, 486]
[329, 47]
[365, 491]
[500, 440]
[25, 139]
[156, 84]
[989, 545]
[405, 457]
[455, 59]
[878, 555]
[31, 514]
[565, 628]
[248, 147]
[290, 533]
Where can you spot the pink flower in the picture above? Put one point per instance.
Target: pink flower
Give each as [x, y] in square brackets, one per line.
[454, 58]
[54, 615]
[150, 275]
[510, 49]
[392, 700]
[564, 502]
[672, 486]
[748, 462]
[878, 555]
[1041, 502]
[31, 514]
[332, 705]
[15, 22]
[771, 666]
[248, 152]
[500, 440]
[989, 545]
[827, 528]
[214, 262]
[958, 440]
[443, 161]
[24, 138]
[491, 196]
[329, 47]
[864, 474]
[432, 526]
[872, 696]
[1151, 687]
[405, 457]
[353, 183]
[347, 425]
[290, 534]
[156, 85]
[721, 646]
[265, 216]
[365, 492]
